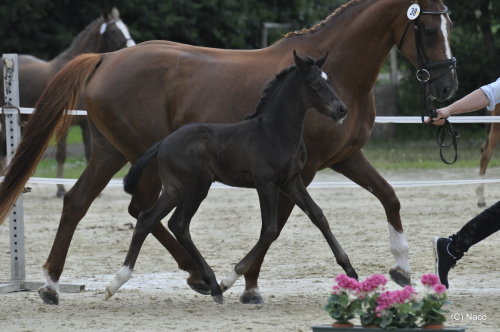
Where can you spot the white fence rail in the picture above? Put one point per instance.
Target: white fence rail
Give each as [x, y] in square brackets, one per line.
[12, 108]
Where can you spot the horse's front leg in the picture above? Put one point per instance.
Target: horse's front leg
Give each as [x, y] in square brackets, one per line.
[268, 199]
[297, 192]
[358, 169]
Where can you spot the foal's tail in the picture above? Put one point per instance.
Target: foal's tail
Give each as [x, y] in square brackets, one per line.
[134, 174]
[49, 118]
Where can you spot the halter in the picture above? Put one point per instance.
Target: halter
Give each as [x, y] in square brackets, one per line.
[424, 76]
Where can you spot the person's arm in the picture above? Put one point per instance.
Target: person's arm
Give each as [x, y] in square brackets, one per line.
[485, 96]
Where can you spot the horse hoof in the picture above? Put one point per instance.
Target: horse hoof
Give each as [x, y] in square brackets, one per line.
[199, 287]
[481, 204]
[107, 294]
[60, 193]
[218, 299]
[251, 296]
[48, 295]
[401, 277]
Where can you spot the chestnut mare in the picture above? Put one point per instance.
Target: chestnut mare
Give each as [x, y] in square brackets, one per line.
[265, 151]
[106, 34]
[138, 95]
[486, 153]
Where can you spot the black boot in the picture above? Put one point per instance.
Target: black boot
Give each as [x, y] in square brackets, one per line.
[445, 258]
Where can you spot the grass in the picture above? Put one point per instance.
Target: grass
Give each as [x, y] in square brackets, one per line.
[383, 153]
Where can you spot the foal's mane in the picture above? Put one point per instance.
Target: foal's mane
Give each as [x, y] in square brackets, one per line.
[336, 13]
[271, 85]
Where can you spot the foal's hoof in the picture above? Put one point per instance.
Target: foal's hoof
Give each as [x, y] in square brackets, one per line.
[199, 287]
[48, 295]
[251, 296]
[401, 277]
[218, 299]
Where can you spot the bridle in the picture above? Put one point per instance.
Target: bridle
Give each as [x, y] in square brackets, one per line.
[424, 75]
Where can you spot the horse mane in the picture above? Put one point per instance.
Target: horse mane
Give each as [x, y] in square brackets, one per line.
[100, 20]
[271, 85]
[337, 12]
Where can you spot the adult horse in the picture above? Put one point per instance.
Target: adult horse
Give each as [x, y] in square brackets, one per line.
[138, 95]
[486, 153]
[105, 34]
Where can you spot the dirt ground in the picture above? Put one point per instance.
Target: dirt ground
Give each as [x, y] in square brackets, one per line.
[296, 276]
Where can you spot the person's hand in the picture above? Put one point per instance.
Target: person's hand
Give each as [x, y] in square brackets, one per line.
[441, 115]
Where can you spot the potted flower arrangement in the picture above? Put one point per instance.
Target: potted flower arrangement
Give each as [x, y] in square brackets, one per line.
[431, 312]
[379, 309]
[343, 304]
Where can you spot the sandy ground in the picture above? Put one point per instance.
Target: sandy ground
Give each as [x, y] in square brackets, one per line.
[296, 276]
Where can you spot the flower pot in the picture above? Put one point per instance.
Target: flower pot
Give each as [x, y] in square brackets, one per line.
[434, 326]
[342, 324]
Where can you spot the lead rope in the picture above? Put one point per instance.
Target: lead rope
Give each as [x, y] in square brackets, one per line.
[446, 129]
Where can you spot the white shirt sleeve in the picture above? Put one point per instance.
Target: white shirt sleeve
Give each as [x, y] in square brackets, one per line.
[492, 92]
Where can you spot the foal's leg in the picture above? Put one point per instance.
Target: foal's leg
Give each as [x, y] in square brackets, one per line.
[252, 295]
[486, 154]
[146, 194]
[268, 199]
[145, 224]
[358, 169]
[179, 225]
[297, 192]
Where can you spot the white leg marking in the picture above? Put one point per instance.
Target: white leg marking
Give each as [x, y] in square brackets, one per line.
[49, 283]
[123, 28]
[121, 277]
[229, 281]
[444, 31]
[400, 249]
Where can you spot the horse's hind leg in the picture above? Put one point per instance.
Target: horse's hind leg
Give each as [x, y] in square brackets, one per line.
[146, 194]
[297, 192]
[60, 159]
[179, 225]
[145, 224]
[105, 162]
[486, 154]
[358, 169]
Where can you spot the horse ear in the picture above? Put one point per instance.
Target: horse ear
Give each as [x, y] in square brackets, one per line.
[115, 13]
[321, 61]
[298, 60]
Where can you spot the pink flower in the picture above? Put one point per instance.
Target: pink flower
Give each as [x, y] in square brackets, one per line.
[438, 288]
[390, 298]
[346, 282]
[429, 279]
[372, 283]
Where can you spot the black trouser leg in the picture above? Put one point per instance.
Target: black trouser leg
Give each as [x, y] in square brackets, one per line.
[476, 230]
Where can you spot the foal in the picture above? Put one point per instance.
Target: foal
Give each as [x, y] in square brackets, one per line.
[265, 151]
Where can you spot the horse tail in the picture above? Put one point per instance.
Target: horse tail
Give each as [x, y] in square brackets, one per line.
[61, 94]
[131, 180]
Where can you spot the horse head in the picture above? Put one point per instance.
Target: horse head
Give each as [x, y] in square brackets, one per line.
[423, 37]
[114, 33]
[322, 95]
